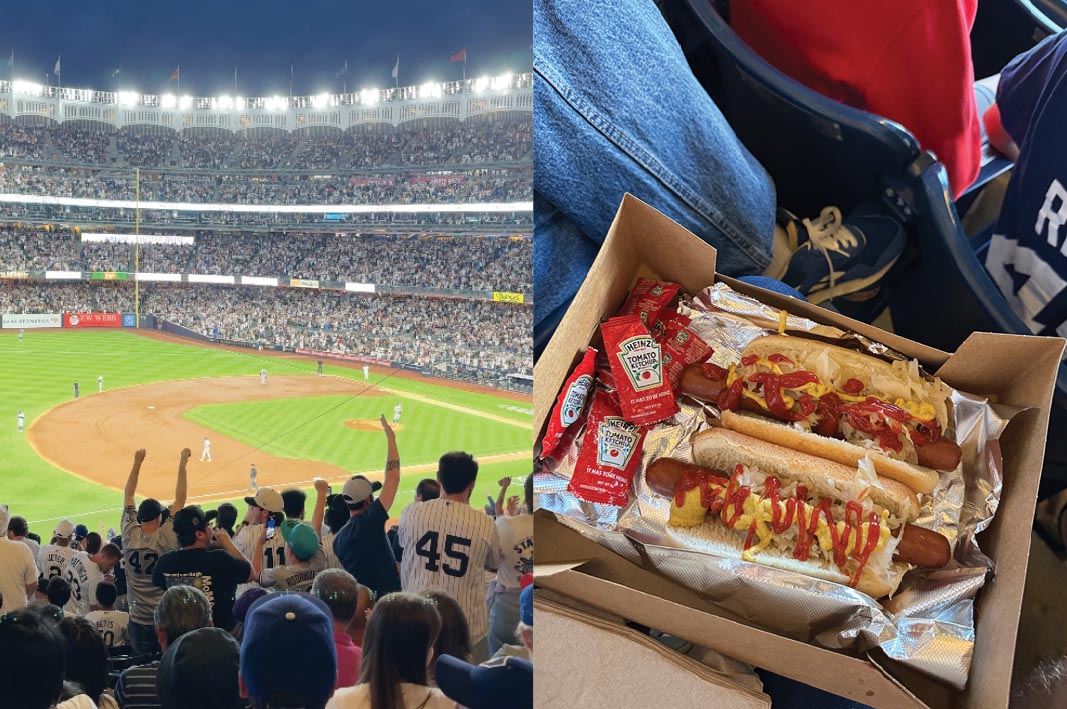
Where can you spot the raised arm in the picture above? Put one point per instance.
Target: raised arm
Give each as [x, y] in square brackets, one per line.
[392, 467]
[320, 505]
[135, 472]
[181, 487]
[499, 506]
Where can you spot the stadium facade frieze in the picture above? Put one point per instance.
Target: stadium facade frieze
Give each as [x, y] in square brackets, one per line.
[449, 100]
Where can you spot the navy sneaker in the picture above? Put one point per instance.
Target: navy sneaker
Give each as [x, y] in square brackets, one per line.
[833, 258]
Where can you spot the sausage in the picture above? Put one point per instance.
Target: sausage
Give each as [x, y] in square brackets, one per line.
[943, 454]
[922, 547]
[662, 474]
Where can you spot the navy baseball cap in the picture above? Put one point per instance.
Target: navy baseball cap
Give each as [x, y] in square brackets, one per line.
[199, 671]
[148, 510]
[526, 606]
[302, 624]
[506, 686]
[189, 520]
[81, 532]
[226, 515]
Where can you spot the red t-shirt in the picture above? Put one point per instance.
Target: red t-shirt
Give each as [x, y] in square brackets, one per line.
[349, 656]
[909, 61]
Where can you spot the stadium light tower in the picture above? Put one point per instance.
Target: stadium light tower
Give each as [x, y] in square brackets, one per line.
[27, 88]
[320, 101]
[128, 98]
[185, 102]
[224, 103]
[431, 89]
[168, 101]
[481, 84]
[369, 96]
[500, 83]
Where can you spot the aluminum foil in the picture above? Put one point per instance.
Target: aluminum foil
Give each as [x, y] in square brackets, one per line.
[928, 624]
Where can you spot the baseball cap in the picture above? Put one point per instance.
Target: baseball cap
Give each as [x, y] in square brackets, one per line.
[301, 623]
[226, 515]
[301, 539]
[189, 520]
[148, 510]
[81, 531]
[245, 601]
[64, 529]
[358, 488]
[526, 606]
[476, 687]
[266, 498]
[199, 671]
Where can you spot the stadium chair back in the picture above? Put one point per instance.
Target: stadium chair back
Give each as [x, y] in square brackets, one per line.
[818, 151]
[948, 273]
[1005, 28]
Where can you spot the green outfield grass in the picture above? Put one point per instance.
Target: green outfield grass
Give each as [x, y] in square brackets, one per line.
[38, 373]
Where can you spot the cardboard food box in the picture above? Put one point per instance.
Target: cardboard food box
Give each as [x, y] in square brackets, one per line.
[1017, 370]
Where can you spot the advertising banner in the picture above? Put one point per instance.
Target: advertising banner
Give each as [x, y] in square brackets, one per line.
[14, 274]
[129, 320]
[303, 283]
[109, 276]
[346, 357]
[505, 297]
[17, 320]
[92, 319]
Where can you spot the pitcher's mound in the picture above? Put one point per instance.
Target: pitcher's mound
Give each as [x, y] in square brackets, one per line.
[371, 425]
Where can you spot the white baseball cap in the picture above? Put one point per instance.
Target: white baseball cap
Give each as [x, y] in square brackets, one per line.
[358, 488]
[64, 529]
[268, 498]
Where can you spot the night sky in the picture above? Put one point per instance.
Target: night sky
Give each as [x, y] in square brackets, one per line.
[207, 39]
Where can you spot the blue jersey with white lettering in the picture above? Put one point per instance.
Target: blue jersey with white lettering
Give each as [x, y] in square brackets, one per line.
[1028, 253]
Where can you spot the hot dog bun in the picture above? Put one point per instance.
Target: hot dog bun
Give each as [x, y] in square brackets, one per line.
[722, 449]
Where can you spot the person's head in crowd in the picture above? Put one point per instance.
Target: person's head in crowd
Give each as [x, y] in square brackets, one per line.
[525, 627]
[358, 494]
[365, 607]
[107, 557]
[106, 593]
[191, 528]
[265, 503]
[455, 636]
[293, 502]
[34, 536]
[301, 542]
[80, 534]
[200, 670]
[475, 687]
[336, 513]
[181, 610]
[339, 590]
[86, 656]
[41, 594]
[50, 612]
[241, 606]
[225, 517]
[63, 533]
[528, 493]
[398, 645]
[58, 591]
[150, 514]
[427, 489]
[17, 528]
[298, 622]
[93, 542]
[32, 660]
[457, 472]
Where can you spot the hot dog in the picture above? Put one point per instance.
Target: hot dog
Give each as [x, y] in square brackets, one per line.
[779, 507]
[834, 403]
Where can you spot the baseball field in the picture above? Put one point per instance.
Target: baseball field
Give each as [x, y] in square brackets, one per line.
[164, 394]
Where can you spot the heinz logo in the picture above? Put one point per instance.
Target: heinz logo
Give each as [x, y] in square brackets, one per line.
[640, 357]
[616, 441]
[575, 399]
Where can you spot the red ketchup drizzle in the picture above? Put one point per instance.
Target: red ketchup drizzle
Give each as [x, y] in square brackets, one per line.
[734, 497]
[853, 387]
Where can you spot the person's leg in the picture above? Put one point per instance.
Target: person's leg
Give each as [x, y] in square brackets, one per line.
[616, 110]
[503, 619]
[143, 638]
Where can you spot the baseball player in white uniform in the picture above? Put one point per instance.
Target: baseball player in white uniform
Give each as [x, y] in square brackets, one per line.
[397, 410]
[206, 453]
[252, 479]
[449, 545]
[366, 373]
[55, 558]
[22, 421]
[22, 333]
[263, 376]
[100, 384]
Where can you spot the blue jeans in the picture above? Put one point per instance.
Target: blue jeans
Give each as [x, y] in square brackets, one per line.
[616, 110]
[503, 620]
[143, 638]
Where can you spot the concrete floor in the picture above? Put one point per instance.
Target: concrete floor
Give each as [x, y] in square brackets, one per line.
[1043, 622]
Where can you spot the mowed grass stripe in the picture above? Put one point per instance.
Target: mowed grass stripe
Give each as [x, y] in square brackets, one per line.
[38, 374]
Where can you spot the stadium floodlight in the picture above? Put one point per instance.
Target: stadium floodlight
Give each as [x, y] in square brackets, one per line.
[431, 89]
[239, 103]
[26, 88]
[320, 101]
[276, 103]
[369, 96]
[501, 82]
[128, 98]
[185, 102]
[223, 103]
[168, 101]
[481, 84]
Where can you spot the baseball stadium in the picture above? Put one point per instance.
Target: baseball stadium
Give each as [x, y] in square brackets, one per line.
[259, 280]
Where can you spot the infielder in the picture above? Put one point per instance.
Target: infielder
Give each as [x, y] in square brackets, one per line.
[75, 388]
[100, 384]
[366, 373]
[206, 453]
[263, 376]
[22, 421]
[252, 479]
[320, 366]
[396, 412]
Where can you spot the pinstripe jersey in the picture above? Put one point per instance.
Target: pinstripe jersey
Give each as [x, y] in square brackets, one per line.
[54, 559]
[140, 553]
[273, 556]
[448, 545]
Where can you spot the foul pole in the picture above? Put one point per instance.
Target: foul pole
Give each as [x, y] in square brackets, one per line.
[137, 249]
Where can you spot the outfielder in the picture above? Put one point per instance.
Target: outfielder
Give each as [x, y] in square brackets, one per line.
[22, 421]
[206, 453]
[100, 384]
[263, 376]
[396, 412]
[366, 373]
[75, 388]
[22, 333]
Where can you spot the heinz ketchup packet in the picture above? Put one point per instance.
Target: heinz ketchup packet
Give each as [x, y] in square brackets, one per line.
[569, 403]
[636, 361]
[648, 298]
[611, 452]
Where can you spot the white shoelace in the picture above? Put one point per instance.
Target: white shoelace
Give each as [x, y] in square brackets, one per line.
[827, 234]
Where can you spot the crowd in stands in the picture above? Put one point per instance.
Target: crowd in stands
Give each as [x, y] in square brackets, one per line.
[475, 340]
[474, 141]
[306, 603]
[443, 262]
